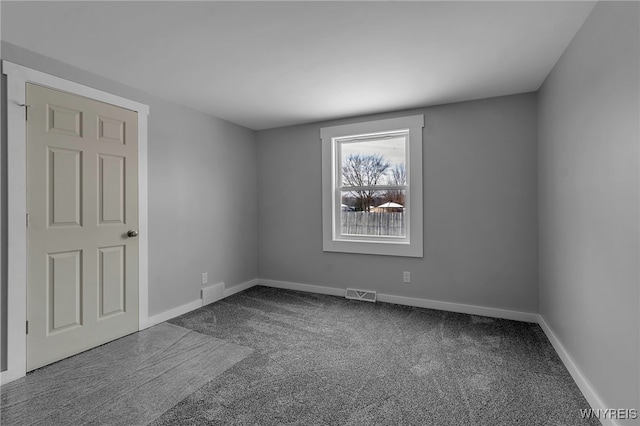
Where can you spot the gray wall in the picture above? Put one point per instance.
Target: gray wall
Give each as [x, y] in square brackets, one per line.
[480, 209]
[588, 197]
[202, 192]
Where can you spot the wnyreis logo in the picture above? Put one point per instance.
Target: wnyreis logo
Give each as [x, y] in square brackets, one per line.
[609, 413]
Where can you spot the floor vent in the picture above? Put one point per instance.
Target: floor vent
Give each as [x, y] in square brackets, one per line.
[212, 293]
[366, 295]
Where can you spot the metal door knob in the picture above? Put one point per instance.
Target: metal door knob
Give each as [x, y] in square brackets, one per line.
[132, 233]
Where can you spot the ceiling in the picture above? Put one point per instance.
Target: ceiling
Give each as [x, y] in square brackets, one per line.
[270, 64]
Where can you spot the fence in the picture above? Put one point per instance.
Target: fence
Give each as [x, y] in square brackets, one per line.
[373, 223]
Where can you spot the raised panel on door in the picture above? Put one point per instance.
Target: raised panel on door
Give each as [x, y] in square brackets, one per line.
[111, 130]
[64, 291]
[111, 191]
[112, 277]
[64, 187]
[64, 121]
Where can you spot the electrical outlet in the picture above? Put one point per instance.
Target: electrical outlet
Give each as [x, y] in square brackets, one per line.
[406, 277]
[205, 277]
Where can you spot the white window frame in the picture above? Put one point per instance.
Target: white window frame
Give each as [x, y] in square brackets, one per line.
[409, 246]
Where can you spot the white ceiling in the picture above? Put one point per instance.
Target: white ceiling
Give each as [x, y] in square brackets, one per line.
[270, 64]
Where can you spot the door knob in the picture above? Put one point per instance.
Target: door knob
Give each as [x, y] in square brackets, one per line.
[132, 233]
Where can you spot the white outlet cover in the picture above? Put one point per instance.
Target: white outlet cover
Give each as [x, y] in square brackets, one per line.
[205, 277]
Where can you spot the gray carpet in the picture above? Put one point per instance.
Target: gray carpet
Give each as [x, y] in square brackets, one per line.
[324, 360]
[130, 381]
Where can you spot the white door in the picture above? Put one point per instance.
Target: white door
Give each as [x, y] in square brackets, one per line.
[82, 206]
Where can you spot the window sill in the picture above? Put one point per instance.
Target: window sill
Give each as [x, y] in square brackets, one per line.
[382, 248]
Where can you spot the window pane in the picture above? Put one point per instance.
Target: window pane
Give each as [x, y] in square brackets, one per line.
[380, 213]
[373, 162]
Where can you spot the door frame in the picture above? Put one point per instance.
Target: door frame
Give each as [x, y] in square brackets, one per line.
[17, 77]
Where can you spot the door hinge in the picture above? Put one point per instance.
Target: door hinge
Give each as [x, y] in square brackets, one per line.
[27, 220]
[27, 327]
[26, 111]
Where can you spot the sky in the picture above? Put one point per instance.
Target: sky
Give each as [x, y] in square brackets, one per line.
[393, 150]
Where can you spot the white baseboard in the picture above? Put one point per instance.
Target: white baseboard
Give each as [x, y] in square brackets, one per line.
[191, 306]
[172, 313]
[584, 385]
[9, 376]
[460, 308]
[309, 288]
[240, 287]
[410, 301]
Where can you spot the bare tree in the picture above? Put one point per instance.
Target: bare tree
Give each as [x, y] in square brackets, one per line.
[398, 176]
[364, 171]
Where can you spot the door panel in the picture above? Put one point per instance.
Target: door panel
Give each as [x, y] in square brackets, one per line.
[111, 197]
[112, 281]
[64, 187]
[82, 198]
[64, 290]
[64, 121]
[111, 130]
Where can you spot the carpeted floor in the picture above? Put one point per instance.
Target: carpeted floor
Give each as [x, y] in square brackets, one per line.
[324, 360]
[128, 382]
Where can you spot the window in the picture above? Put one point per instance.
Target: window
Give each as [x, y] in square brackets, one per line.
[372, 187]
